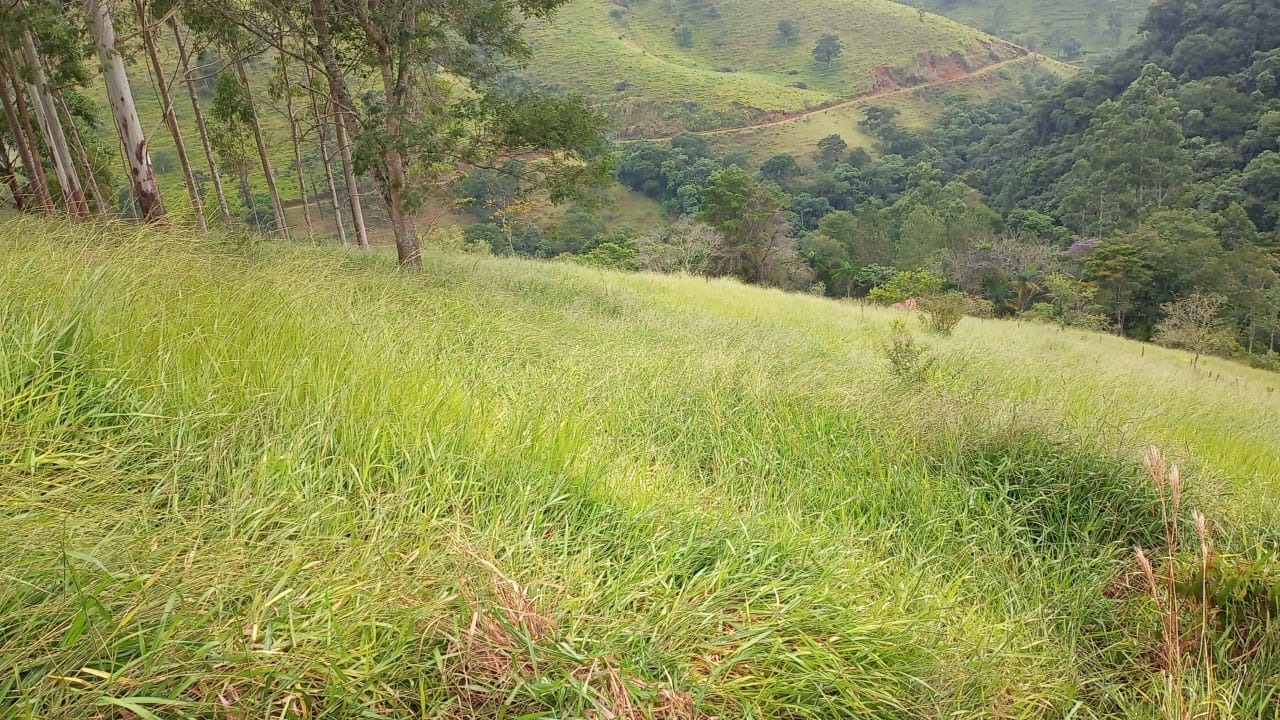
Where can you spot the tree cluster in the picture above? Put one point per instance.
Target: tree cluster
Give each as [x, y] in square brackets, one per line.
[404, 96]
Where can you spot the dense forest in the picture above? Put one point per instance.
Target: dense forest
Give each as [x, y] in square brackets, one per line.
[1144, 192]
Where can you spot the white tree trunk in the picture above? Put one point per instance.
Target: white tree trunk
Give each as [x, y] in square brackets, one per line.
[47, 118]
[141, 175]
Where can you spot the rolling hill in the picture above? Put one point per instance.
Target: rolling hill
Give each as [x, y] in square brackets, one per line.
[660, 66]
[798, 134]
[241, 480]
[1052, 27]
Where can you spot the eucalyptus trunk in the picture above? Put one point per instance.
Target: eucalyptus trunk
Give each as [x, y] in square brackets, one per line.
[219, 192]
[395, 71]
[326, 160]
[142, 176]
[28, 155]
[11, 179]
[171, 117]
[77, 144]
[54, 137]
[282, 229]
[342, 126]
[295, 138]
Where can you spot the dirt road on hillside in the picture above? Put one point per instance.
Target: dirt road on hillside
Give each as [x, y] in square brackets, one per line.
[860, 98]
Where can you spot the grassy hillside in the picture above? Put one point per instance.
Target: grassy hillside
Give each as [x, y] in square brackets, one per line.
[920, 107]
[263, 480]
[734, 65]
[1100, 26]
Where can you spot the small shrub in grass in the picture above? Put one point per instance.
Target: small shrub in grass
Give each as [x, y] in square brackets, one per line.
[1270, 361]
[1041, 312]
[942, 312]
[908, 360]
[979, 307]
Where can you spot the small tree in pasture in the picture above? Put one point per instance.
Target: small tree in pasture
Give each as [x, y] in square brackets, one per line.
[787, 30]
[828, 49]
[831, 147]
[1192, 323]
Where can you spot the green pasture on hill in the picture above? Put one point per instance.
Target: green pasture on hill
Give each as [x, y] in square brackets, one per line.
[658, 66]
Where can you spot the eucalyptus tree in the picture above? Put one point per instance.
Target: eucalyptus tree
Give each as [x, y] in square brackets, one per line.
[344, 118]
[142, 176]
[40, 51]
[284, 88]
[197, 114]
[217, 23]
[148, 25]
[36, 195]
[440, 107]
[323, 123]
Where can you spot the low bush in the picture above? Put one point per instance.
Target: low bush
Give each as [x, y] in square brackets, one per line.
[908, 359]
[942, 312]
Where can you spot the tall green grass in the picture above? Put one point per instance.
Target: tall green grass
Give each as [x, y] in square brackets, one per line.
[282, 481]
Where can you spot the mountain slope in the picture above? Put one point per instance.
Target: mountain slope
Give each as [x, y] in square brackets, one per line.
[1066, 30]
[267, 479]
[660, 66]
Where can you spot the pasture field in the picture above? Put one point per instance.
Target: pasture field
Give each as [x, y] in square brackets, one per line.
[243, 479]
[659, 67]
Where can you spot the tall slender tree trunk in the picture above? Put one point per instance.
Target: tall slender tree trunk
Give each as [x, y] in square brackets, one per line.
[55, 139]
[77, 144]
[395, 87]
[282, 229]
[408, 253]
[223, 208]
[333, 189]
[343, 107]
[11, 179]
[294, 137]
[326, 159]
[142, 175]
[171, 117]
[27, 154]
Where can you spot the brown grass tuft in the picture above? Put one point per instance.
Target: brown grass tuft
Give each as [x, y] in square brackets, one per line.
[492, 654]
[614, 699]
[488, 650]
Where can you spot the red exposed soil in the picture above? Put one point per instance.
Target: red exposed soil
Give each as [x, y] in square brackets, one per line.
[883, 79]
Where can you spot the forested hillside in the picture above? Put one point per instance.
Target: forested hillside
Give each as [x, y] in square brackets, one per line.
[1142, 197]
[1162, 166]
